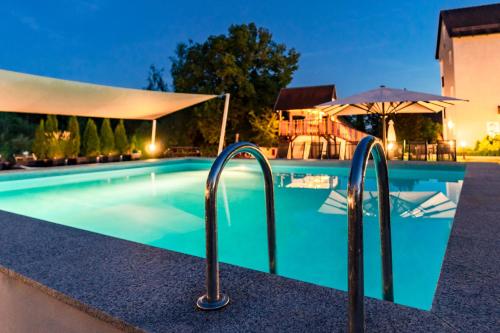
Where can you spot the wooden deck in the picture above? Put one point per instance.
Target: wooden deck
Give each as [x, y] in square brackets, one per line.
[325, 127]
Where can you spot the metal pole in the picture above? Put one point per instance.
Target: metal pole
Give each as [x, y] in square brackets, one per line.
[356, 310]
[223, 126]
[153, 133]
[214, 299]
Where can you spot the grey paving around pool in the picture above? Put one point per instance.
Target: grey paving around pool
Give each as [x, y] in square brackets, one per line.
[136, 287]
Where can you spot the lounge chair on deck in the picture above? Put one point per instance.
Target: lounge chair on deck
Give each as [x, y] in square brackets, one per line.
[25, 159]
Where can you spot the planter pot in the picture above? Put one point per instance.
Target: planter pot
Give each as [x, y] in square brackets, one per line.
[136, 156]
[72, 161]
[82, 160]
[114, 158]
[93, 159]
[126, 157]
[6, 165]
[58, 161]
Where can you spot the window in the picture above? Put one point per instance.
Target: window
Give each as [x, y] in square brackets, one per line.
[442, 81]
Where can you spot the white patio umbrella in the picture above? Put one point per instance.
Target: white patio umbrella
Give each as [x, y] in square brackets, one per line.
[386, 101]
[391, 132]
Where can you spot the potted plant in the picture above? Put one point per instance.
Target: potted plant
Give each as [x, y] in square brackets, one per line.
[91, 142]
[39, 147]
[121, 141]
[107, 141]
[135, 153]
[51, 126]
[73, 143]
[56, 147]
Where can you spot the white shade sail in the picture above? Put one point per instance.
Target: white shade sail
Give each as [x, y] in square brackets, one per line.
[37, 94]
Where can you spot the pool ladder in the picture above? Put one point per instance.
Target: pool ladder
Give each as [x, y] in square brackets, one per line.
[213, 299]
[356, 307]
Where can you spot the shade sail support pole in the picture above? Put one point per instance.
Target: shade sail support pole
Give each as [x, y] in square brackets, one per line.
[153, 133]
[224, 122]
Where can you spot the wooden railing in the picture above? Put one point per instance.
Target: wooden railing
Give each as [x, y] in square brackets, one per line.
[324, 127]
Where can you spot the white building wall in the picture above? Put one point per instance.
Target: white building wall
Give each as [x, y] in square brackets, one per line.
[471, 69]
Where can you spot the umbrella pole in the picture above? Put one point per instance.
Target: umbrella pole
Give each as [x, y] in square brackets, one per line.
[384, 134]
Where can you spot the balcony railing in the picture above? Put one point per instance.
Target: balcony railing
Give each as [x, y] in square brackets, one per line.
[325, 126]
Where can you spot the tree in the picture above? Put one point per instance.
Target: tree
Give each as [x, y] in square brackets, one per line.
[54, 149]
[91, 144]
[247, 63]
[134, 147]
[266, 126]
[73, 144]
[489, 146]
[417, 127]
[155, 80]
[107, 137]
[121, 140]
[16, 133]
[51, 125]
[40, 143]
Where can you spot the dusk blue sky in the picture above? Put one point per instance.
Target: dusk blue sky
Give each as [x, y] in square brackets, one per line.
[356, 45]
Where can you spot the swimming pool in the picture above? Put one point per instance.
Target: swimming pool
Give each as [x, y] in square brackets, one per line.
[162, 204]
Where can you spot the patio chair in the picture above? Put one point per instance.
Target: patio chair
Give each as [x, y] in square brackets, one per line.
[283, 148]
[298, 150]
[182, 151]
[432, 151]
[316, 150]
[417, 151]
[446, 150]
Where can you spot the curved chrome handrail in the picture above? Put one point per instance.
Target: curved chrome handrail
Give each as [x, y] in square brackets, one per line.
[214, 299]
[356, 307]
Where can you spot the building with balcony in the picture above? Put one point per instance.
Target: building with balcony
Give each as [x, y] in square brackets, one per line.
[468, 50]
[306, 132]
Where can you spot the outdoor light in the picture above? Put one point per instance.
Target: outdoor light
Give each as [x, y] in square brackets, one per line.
[390, 146]
[152, 147]
[463, 143]
[450, 124]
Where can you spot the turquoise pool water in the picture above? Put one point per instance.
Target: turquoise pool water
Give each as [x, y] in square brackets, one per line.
[162, 204]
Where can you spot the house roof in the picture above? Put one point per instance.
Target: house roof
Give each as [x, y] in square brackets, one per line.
[304, 97]
[469, 21]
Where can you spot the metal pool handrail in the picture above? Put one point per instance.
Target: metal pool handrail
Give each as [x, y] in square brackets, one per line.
[356, 309]
[214, 299]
